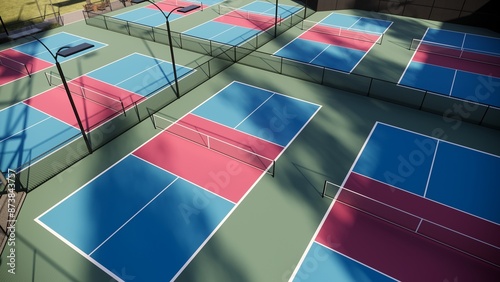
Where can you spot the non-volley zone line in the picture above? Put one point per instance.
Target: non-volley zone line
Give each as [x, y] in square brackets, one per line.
[16, 65]
[400, 219]
[456, 58]
[337, 42]
[242, 147]
[53, 43]
[421, 165]
[455, 64]
[108, 91]
[256, 15]
[351, 239]
[148, 76]
[350, 26]
[28, 134]
[339, 36]
[415, 177]
[96, 101]
[191, 190]
[433, 220]
[150, 15]
[172, 208]
[77, 87]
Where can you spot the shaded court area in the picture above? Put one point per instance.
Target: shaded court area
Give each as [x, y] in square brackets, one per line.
[236, 25]
[31, 57]
[149, 15]
[108, 91]
[181, 185]
[455, 64]
[337, 42]
[38, 126]
[221, 180]
[406, 199]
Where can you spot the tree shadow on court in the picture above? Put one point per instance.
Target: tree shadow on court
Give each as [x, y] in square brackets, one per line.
[289, 206]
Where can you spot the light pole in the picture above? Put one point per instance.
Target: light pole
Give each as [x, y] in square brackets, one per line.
[64, 52]
[169, 39]
[276, 20]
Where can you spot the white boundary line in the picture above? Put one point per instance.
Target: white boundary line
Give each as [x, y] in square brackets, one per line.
[318, 229]
[37, 219]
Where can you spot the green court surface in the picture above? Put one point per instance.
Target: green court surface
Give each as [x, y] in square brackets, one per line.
[267, 234]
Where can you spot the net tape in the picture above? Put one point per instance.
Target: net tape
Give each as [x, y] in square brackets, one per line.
[14, 65]
[361, 35]
[226, 147]
[455, 52]
[404, 219]
[86, 93]
[249, 15]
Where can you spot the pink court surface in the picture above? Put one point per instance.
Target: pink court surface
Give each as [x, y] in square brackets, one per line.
[221, 174]
[96, 102]
[275, 218]
[247, 19]
[466, 63]
[17, 65]
[401, 250]
[345, 38]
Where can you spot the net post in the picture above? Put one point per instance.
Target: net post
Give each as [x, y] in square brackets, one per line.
[271, 170]
[26, 67]
[48, 79]
[82, 90]
[123, 107]
[324, 189]
[154, 121]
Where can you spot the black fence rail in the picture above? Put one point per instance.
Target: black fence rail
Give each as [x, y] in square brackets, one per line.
[37, 171]
[473, 110]
[31, 172]
[191, 43]
[247, 54]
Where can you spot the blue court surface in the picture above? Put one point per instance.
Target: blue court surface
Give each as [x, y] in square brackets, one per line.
[325, 264]
[458, 177]
[337, 42]
[270, 116]
[138, 207]
[150, 15]
[146, 16]
[465, 66]
[232, 34]
[431, 168]
[140, 74]
[54, 42]
[27, 134]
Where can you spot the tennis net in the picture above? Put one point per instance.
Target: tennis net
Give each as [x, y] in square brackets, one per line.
[362, 35]
[86, 93]
[457, 230]
[179, 3]
[14, 65]
[248, 15]
[455, 52]
[225, 147]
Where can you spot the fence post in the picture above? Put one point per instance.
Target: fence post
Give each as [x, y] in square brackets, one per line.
[4, 27]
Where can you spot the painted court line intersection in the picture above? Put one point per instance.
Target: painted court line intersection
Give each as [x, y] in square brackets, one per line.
[180, 208]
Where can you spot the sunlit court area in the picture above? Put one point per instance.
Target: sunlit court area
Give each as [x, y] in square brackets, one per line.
[250, 140]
